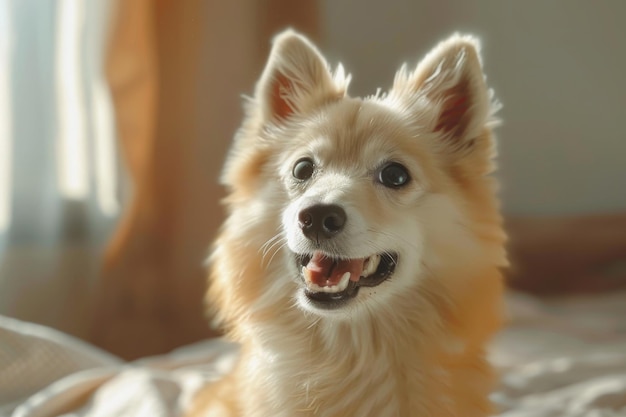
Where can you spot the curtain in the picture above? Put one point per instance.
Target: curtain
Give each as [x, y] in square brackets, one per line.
[114, 120]
[177, 71]
[59, 182]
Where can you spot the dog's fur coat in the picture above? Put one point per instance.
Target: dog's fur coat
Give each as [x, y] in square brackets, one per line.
[414, 345]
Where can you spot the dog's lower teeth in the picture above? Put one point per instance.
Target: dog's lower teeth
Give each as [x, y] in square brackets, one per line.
[306, 274]
[341, 286]
[371, 265]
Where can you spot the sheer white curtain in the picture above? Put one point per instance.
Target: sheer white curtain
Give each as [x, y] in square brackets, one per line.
[59, 182]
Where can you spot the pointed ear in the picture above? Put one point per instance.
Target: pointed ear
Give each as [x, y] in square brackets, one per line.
[296, 79]
[450, 84]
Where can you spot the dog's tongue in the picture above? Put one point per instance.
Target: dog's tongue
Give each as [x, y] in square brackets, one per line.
[326, 272]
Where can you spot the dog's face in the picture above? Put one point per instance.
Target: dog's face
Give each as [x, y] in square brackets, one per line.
[354, 179]
[359, 198]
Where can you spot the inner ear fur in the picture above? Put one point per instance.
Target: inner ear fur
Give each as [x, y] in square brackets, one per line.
[296, 79]
[449, 85]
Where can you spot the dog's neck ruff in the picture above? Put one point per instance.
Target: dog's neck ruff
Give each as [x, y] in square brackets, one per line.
[338, 369]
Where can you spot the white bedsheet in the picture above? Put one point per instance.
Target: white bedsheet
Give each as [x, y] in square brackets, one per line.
[564, 358]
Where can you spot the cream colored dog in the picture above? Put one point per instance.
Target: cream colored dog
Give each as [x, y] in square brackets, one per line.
[359, 264]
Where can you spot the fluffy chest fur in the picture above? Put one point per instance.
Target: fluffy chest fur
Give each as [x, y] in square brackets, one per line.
[338, 380]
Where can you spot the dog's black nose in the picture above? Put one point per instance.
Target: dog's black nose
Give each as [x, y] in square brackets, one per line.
[322, 221]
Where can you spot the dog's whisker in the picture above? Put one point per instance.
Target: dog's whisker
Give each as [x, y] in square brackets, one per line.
[314, 323]
[394, 236]
[376, 247]
[269, 242]
[275, 252]
[273, 248]
[264, 247]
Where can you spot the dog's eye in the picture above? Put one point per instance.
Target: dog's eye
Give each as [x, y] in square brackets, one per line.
[303, 169]
[393, 175]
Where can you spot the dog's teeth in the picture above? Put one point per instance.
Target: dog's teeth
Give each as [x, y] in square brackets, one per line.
[306, 274]
[342, 285]
[371, 265]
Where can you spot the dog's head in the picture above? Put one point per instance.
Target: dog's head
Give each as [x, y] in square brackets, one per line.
[340, 204]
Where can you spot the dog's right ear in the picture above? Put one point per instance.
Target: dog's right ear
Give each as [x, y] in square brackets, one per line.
[296, 79]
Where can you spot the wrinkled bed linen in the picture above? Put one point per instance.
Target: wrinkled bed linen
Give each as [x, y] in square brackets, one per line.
[558, 358]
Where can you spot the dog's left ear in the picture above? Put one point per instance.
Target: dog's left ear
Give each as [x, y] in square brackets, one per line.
[447, 91]
[296, 79]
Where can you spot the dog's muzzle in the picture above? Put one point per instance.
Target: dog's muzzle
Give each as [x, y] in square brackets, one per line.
[331, 280]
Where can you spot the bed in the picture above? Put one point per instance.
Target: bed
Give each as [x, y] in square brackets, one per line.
[562, 357]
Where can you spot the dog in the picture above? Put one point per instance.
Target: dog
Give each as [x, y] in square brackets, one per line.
[359, 266]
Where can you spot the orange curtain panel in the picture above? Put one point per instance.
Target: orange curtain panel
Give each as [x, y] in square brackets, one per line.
[176, 70]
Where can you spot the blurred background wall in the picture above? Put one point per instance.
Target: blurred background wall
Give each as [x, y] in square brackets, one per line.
[558, 68]
[115, 117]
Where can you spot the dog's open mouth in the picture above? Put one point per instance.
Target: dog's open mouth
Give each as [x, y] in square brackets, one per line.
[330, 281]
